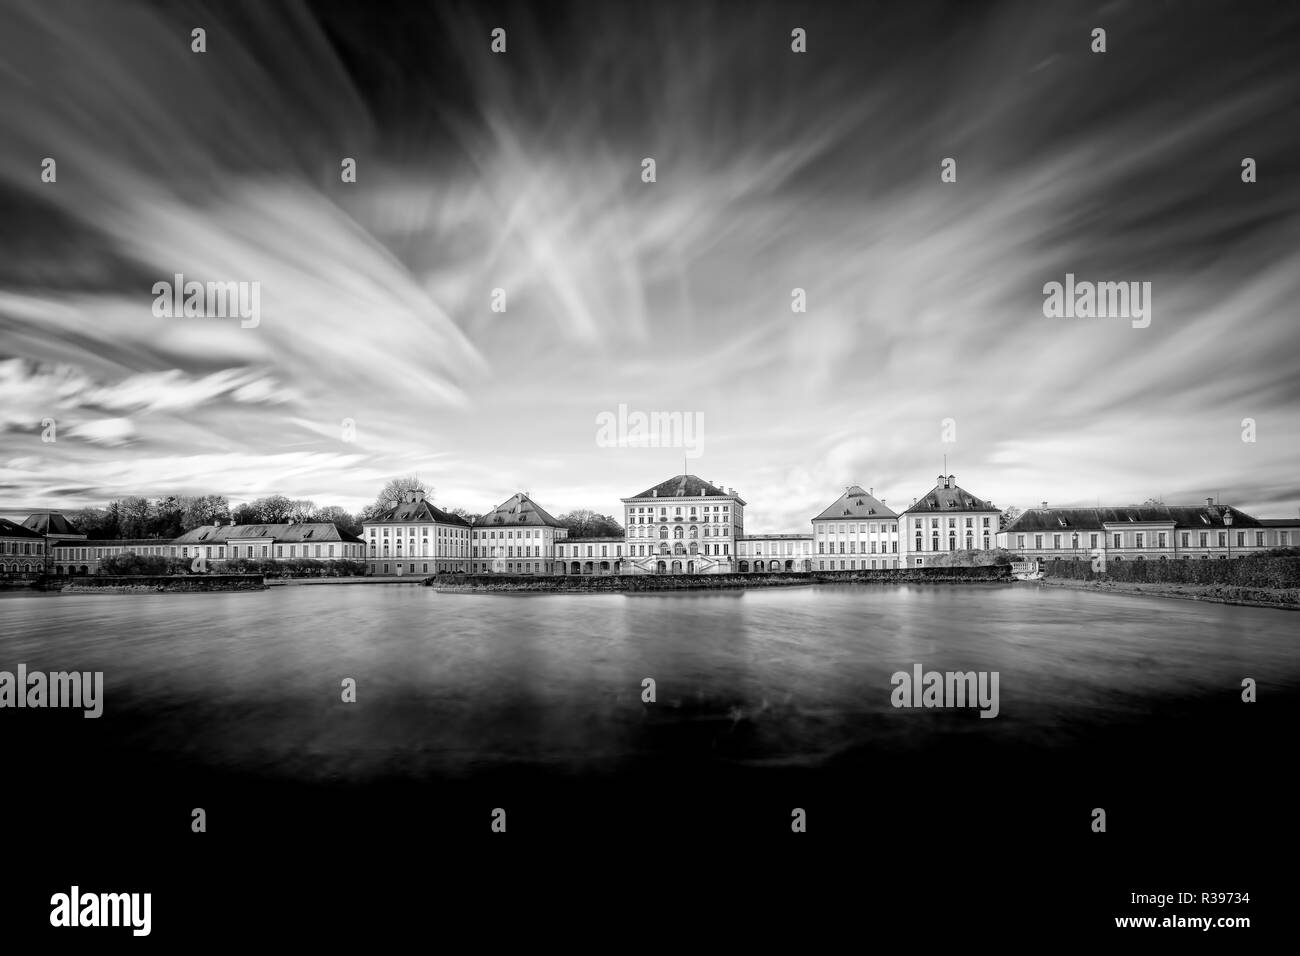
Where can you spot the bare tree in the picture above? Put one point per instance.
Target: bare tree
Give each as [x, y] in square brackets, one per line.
[274, 509]
[134, 513]
[301, 509]
[201, 510]
[395, 491]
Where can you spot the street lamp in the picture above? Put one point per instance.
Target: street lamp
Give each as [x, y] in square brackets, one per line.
[1227, 523]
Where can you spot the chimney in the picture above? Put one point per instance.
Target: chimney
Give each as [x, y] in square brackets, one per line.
[1209, 502]
[952, 480]
[232, 522]
[216, 522]
[1044, 505]
[654, 493]
[872, 492]
[938, 482]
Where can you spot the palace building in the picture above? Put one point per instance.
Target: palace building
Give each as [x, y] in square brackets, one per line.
[1143, 533]
[947, 518]
[758, 553]
[22, 549]
[83, 556]
[518, 536]
[603, 555]
[857, 532]
[317, 540]
[684, 525]
[416, 537]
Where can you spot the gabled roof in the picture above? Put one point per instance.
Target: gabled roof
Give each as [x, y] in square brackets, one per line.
[311, 532]
[517, 511]
[420, 509]
[947, 497]
[1280, 522]
[1190, 517]
[685, 486]
[12, 529]
[856, 503]
[50, 522]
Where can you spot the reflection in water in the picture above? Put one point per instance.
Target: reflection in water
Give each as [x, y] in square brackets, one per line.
[453, 684]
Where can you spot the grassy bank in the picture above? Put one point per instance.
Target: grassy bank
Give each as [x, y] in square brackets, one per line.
[1286, 598]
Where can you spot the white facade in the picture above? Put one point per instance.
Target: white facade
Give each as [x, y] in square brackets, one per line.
[947, 519]
[857, 532]
[683, 526]
[758, 553]
[416, 537]
[516, 537]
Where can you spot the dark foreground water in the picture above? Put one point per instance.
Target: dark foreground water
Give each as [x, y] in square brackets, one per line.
[767, 700]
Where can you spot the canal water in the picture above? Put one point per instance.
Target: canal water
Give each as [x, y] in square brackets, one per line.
[766, 700]
[458, 684]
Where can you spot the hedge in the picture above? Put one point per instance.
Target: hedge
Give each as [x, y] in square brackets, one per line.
[1254, 571]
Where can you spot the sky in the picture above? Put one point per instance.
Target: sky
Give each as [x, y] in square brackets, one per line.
[924, 334]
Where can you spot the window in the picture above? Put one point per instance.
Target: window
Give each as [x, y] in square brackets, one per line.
[1259, 539]
[1205, 539]
[1186, 538]
[1162, 540]
[1020, 541]
[1139, 539]
[1038, 542]
[1118, 539]
[1223, 539]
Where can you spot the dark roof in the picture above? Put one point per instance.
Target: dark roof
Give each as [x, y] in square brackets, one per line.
[774, 537]
[946, 496]
[603, 539]
[311, 531]
[517, 511]
[419, 509]
[50, 522]
[1093, 519]
[685, 486]
[12, 529]
[114, 543]
[1280, 522]
[856, 503]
